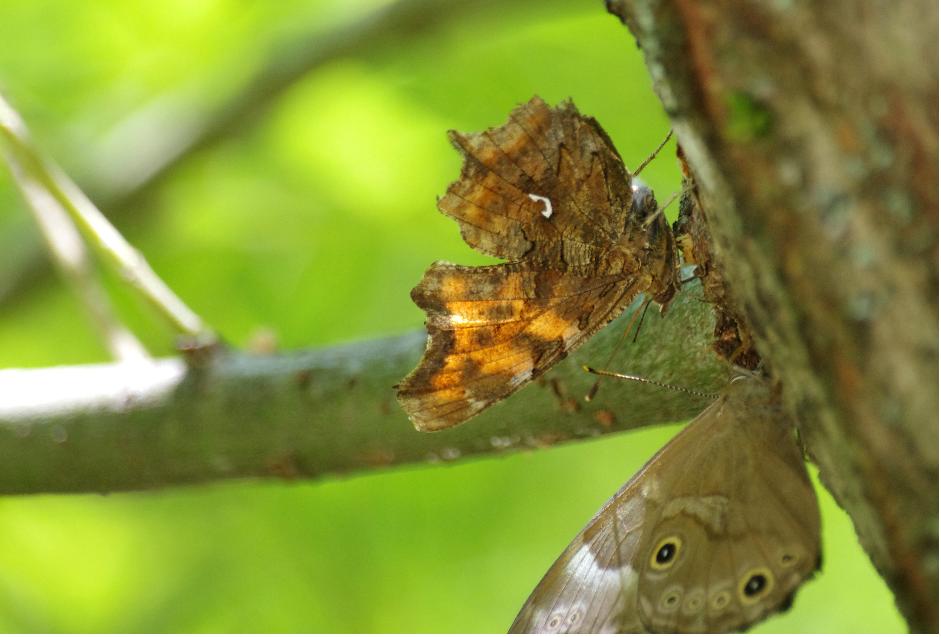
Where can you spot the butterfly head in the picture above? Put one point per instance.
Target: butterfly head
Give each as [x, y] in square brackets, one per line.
[657, 239]
[643, 203]
[646, 213]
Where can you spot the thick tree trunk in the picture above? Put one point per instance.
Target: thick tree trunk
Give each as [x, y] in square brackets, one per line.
[811, 131]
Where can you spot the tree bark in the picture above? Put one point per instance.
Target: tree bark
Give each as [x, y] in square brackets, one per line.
[811, 131]
[141, 425]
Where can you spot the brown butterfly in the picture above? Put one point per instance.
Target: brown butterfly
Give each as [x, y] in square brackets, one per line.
[714, 533]
[549, 192]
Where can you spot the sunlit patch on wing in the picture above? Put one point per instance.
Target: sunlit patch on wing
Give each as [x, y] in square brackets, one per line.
[582, 593]
[594, 575]
[494, 328]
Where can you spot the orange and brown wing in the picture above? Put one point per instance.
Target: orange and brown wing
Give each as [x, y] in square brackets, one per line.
[492, 329]
[548, 184]
[548, 191]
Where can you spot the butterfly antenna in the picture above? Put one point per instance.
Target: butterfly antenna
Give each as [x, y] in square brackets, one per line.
[640, 323]
[641, 379]
[660, 210]
[644, 163]
[597, 384]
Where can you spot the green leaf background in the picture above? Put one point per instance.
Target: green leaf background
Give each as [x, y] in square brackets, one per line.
[315, 223]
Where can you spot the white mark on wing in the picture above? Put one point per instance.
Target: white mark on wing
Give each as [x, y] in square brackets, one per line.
[547, 205]
[587, 577]
[650, 490]
[475, 404]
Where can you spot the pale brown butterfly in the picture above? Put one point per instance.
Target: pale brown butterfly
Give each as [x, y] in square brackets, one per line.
[714, 533]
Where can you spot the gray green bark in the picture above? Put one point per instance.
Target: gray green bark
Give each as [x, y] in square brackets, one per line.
[122, 426]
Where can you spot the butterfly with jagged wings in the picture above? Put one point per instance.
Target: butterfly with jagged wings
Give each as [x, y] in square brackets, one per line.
[548, 192]
[715, 532]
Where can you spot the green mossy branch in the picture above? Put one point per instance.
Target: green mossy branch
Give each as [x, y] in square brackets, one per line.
[125, 426]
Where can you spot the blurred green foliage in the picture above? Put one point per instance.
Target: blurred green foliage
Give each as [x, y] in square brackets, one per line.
[316, 223]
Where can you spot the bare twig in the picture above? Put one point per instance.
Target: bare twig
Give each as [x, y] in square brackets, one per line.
[108, 242]
[69, 252]
[99, 428]
[180, 125]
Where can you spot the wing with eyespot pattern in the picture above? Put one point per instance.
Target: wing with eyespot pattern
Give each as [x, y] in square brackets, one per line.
[716, 532]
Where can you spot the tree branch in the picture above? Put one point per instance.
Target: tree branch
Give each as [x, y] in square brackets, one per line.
[100, 428]
[811, 130]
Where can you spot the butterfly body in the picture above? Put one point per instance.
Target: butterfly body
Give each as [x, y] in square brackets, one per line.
[714, 533]
[548, 192]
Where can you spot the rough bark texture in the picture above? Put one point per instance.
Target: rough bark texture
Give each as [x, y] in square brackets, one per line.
[122, 426]
[811, 130]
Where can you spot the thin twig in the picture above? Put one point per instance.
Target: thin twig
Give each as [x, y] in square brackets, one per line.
[115, 251]
[181, 124]
[70, 255]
